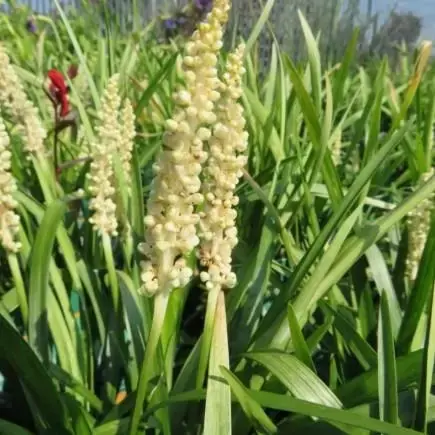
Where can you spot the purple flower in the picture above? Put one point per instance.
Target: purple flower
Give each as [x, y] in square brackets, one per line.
[170, 24]
[31, 25]
[203, 5]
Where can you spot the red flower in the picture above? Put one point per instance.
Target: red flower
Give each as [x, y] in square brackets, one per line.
[59, 91]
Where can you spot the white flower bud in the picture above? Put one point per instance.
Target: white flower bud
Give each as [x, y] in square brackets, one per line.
[171, 125]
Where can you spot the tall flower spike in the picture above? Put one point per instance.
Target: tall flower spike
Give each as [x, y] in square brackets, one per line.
[9, 220]
[22, 110]
[223, 171]
[101, 171]
[126, 143]
[171, 220]
[419, 222]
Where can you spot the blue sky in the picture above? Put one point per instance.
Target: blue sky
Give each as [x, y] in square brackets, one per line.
[422, 8]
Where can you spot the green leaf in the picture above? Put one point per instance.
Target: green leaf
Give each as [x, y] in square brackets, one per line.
[251, 408]
[119, 426]
[314, 61]
[344, 68]
[308, 297]
[275, 314]
[82, 421]
[46, 404]
[217, 418]
[356, 245]
[259, 25]
[363, 351]
[364, 388]
[151, 88]
[381, 276]
[296, 377]
[8, 428]
[39, 278]
[207, 336]
[300, 346]
[388, 400]
[347, 417]
[68, 381]
[261, 116]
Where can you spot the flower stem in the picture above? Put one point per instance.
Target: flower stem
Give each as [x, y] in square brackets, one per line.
[56, 140]
[217, 418]
[19, 287]
[148, 364]
[110, 263]
[207, 336]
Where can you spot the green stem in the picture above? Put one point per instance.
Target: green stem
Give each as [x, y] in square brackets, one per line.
[45, 177]
[218, 397]
[160, 305]
[110, 263]
[207, 336]
[56, 139]
[19, 287]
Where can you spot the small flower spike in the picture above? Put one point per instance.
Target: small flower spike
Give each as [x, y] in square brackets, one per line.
[23, 112]
[228, 144]
[9, 220]
[101, 171]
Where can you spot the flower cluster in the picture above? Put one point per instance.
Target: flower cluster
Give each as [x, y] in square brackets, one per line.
[22, 110]
[101, 170]
[229, 141]
[419, 222]
[175, 192]
[9, 220]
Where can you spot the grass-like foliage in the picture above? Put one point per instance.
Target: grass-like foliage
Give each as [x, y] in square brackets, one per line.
[330, 327]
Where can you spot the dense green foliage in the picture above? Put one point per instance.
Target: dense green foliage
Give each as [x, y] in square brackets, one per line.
[325, 331]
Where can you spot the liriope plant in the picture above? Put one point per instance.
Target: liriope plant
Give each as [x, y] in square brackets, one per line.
[202, 136]
[302, 313]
